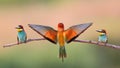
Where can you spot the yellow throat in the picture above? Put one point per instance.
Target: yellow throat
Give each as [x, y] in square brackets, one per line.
[19, 30]
[101, 34]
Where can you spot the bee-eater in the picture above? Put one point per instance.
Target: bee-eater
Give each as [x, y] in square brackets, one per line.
[102, 36]
[21, 37]
[60, 35]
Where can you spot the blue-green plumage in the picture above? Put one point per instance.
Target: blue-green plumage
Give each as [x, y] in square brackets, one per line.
[21, 37]
[102, 36]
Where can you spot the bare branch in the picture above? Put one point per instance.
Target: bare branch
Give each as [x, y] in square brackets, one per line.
[82, 41]
[99, 44]
[29, 40]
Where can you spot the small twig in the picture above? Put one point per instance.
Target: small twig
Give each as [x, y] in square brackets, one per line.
[82, 41]
[99, 44]
[29, 40]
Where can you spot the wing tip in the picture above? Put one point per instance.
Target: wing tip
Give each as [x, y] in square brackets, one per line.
[87, 24]
[30, 25]
[90, 23]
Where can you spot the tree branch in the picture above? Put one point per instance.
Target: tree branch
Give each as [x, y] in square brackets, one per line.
[99, 44]
[29, 40]
[82, 41]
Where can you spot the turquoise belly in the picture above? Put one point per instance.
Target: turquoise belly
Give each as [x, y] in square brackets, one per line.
[22, 36]
[103, 38]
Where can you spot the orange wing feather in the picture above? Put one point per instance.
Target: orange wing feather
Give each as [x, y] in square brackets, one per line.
[46, 31]
[70, 34]
[51, 35]
[74, 31]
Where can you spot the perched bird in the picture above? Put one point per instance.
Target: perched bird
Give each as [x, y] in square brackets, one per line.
[21, 37]
[60, 35]
[102, 36]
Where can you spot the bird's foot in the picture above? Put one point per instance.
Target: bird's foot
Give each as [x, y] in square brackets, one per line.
[98, 43]
[17, 43]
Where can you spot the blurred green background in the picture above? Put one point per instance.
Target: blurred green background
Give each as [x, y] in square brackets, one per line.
[105, 14]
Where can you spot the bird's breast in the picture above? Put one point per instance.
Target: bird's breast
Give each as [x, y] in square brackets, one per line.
[103, 38]
[61, 38]
[22, 36]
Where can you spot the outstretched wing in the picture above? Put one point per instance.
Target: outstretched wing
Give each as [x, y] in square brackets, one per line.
[75, 31]
[46, 31]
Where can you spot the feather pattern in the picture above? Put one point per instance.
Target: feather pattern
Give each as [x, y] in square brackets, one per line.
[102, 38]
[22, 36]
[46, 31]
[74, 31]
[61, 36]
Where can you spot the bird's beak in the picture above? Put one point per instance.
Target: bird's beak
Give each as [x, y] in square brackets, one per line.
[16, 27]
[98, 30]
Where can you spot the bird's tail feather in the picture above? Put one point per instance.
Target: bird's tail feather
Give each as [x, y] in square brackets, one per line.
[62, 53]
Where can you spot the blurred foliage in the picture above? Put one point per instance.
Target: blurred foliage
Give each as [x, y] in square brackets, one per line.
[35, 55]
[25, 2]
[10, 2]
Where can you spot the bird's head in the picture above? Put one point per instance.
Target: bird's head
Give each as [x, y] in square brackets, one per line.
[19, 28]
[102, 31]
[60, 27]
